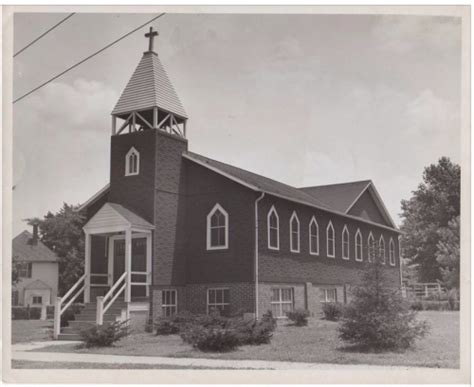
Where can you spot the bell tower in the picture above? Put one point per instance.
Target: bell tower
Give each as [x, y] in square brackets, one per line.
[149, 100]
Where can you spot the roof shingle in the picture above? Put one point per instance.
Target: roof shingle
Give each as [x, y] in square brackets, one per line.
[24, 250]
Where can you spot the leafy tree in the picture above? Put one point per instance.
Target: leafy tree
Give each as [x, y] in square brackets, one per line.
[378, 318]
[448, 253]
[62, 233]
[15, 271]
[433, 205]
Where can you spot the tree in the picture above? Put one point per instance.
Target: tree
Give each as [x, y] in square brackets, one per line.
[378, 318]
[433, 205]
[15, 271]
[62, 233]
[448, 254]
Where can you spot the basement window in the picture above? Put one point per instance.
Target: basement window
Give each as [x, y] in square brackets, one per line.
[169, 302]
[218, 299]
[282, 301]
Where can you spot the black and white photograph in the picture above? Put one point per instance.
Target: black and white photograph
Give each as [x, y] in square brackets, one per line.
[237, 189]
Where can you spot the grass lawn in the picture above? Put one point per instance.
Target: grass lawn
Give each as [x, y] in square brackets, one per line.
[26, 364]
[316, 343]
[24, 331]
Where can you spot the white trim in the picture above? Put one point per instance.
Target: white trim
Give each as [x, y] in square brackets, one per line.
[311, 252]
[359, 252]
[382, 242]
[255, 188]
[390, 245]
[273, 211]
[345, 231]
[292, 249]
[217, 303]
[208, 228]
[132, 151]
[175, 305]
[333, 255]
[370, 247]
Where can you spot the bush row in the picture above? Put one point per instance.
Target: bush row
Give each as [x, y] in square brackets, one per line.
[104, 335]
[26, 312]
[433, 305]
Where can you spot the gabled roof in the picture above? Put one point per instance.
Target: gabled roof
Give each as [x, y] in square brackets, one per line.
[24, 250]
[338, 196]
[149, 87]
[38, 284]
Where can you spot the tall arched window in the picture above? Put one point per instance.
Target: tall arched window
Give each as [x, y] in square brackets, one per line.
[371, 248]
[273, 229]
[345, 243]
[330, 241]
[358, 246]
[217, 229]
[313, 237]
[382, 249]
[392, 252]
[132, 162]
[294, 233]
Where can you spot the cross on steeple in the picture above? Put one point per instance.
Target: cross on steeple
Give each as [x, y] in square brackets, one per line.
[150, 35]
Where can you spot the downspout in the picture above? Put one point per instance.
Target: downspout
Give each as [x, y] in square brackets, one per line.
[256, 253]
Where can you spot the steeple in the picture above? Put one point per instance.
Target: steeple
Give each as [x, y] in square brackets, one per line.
[149, 100]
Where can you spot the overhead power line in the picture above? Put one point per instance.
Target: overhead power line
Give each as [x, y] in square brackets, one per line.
[87, 58]
[43, 34]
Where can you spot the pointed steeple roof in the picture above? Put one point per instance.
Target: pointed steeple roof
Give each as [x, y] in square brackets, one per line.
[149, 87]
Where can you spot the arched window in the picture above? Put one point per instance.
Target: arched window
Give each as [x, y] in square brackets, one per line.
[273, 229]
[294, 233]
[371, 248]
[330, 242]
[345, 243]
[313, 237]
[382, 249]
[392, 252]
[358, 246]
[132, 162]
[217, 229]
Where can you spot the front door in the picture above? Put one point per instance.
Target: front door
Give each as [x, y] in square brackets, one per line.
[139, 267]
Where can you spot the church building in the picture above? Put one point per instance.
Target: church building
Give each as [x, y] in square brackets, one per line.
[175, 230]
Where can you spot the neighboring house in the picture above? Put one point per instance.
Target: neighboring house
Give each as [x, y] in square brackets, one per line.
[37, 271]
[179, 231]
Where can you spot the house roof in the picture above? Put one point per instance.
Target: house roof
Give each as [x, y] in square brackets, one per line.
[338, 196]
[131, 216]
[149, 87]
[38, 284]
[24, 250]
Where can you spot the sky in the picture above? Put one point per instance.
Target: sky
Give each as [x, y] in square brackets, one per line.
[303, 99]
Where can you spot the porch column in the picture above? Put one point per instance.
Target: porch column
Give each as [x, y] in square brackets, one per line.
[87, 269]
[148, 264]
[128, 264]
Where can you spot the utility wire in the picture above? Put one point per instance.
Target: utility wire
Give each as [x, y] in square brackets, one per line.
[44, 33]
[86, 59]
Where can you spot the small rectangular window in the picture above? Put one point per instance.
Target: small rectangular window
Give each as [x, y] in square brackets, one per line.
[328, 295]
[218, 299]
[25, 269]
[281, 301]
[169, 302]
[37, 300]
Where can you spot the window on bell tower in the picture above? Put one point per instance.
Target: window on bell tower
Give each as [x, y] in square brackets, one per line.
[132, 162]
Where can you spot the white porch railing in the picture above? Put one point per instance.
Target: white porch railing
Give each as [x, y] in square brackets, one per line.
[59, 308]
[103, 305]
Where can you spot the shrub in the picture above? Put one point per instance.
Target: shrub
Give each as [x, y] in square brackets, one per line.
[299, 317]
[213, 339]
[166, 326]
[26, 313]
[416, 305]
[333, 311]
[252, 332]
[104, 335]
[378, 317]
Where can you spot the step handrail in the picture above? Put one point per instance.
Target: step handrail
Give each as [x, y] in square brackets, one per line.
[102, 307]
[58, 307]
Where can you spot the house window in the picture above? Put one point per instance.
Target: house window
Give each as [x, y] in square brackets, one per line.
[132, 162]
[358, 246]
[313, 237]
[345, 243]
[217, 229]
[392, 252]
[24, 269]
[294, 233]
[37, 300]
[382, 249]
[169, 302]
[273, 229]
[371, 248]
[328, 295]
[218, 299]
[282, 301]
[330, 242]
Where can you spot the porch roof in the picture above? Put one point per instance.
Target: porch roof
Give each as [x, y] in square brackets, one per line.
[113, 217]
